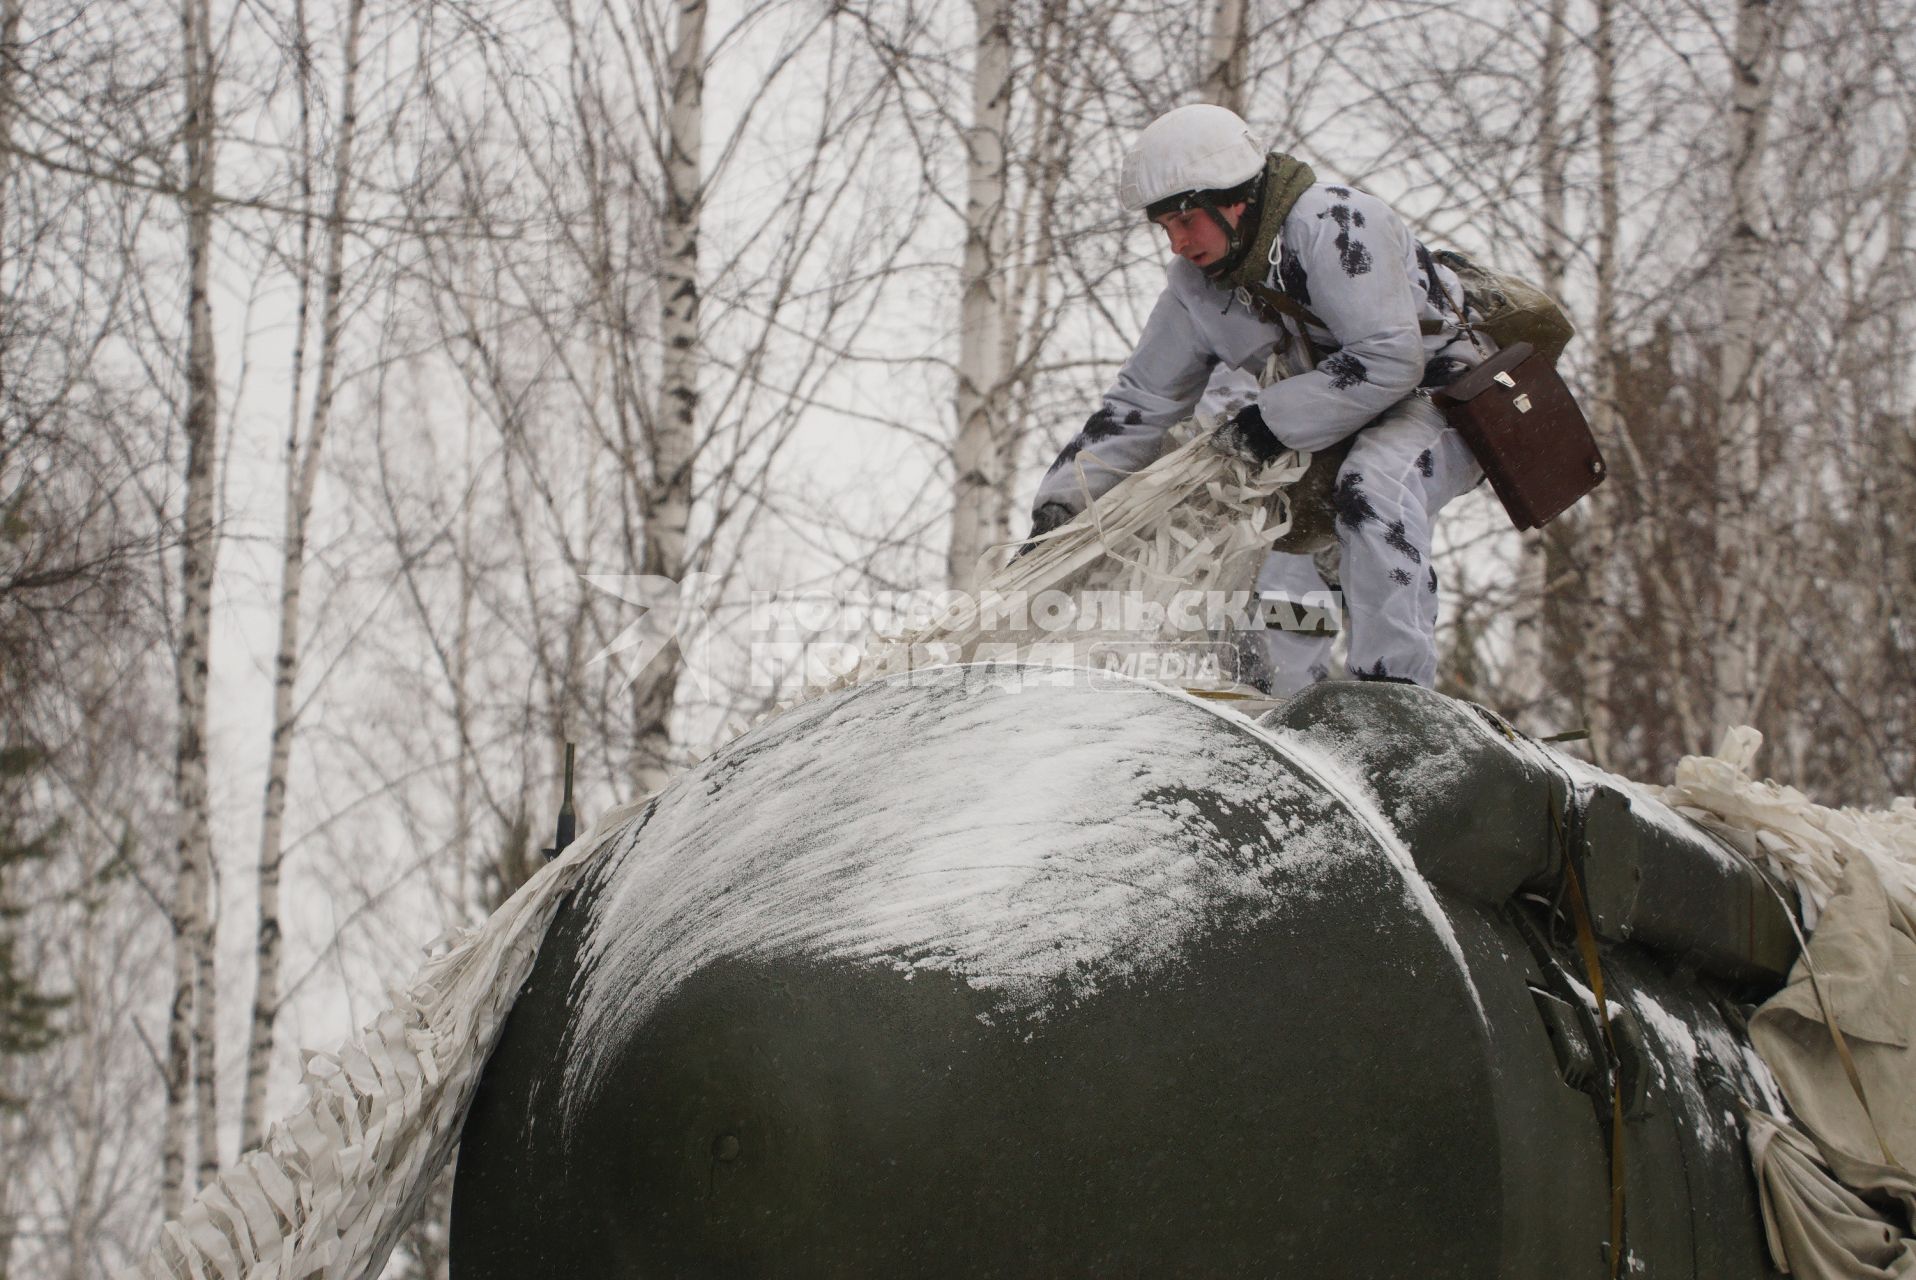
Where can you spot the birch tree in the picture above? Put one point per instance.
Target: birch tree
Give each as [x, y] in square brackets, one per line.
[1524, 687]
[1227, 55]
[977, 455]
[668, 510]
[1055, 219]
[1600, 617]
[632, 325]
[1740, 614]
[11, 14]
[635, 369]
[191, 1066]
[84, 742]
[304, 450]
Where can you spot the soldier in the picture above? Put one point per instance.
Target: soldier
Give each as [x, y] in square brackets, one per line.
[1266, 254]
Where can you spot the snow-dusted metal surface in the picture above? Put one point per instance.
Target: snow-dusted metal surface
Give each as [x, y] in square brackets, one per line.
[1355, 794]
[993, 823]
[1693, 1045]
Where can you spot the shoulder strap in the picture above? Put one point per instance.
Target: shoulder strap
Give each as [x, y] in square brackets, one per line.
[1270, 300]
[1285, 180]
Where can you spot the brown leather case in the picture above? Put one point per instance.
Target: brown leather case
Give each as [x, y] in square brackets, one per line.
[1527, 432]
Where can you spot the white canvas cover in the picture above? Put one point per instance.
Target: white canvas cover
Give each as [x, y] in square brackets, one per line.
[1837, 1193]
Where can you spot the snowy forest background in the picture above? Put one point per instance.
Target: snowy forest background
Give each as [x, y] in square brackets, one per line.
[338, 338]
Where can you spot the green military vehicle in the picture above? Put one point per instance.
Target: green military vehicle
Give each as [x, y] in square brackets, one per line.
[1001, 971]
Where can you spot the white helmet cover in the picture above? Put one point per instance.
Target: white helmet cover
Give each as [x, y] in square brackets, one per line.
[1195, 148]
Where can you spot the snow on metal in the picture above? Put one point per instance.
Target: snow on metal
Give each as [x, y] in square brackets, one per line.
[1032, 838]
[1353, 791]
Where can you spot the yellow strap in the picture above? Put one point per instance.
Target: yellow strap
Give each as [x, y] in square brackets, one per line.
[1593, 966]
[1837, 1038]
[1849, 1063]
[1226, 695]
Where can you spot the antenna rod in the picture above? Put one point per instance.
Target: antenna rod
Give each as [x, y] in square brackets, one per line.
[568, 820]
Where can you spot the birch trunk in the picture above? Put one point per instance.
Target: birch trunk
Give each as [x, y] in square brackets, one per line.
[1226, 56]
[462, 698]
[302, 474]
[190, 1066]
[87, 1090]
[668, 510]
[1739, 587]
[1608, 538]
[1599, 649]
[976, 455]
[1524, 686]
[9, 1230]
[1028, 309]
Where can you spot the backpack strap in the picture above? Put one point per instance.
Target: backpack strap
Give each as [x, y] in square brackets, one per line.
[1286, 179]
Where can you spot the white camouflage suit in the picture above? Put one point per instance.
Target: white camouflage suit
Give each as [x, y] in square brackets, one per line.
[1348, 259]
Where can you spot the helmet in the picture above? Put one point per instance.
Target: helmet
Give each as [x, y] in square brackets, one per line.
[1186, 152]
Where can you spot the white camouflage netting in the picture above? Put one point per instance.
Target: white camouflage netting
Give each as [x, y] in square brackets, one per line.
[339, 1181]
[1802, 841]
[1196, 520]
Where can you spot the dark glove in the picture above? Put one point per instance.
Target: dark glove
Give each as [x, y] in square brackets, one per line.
[1245, 436]
[1044, 520]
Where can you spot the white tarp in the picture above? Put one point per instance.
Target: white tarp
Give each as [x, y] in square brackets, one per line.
[1838, 1198]
[1816, 1226]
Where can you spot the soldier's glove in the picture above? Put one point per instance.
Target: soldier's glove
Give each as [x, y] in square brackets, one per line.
[1044, 520]
[1245, 436]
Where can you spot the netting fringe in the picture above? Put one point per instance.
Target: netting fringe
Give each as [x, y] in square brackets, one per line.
[1196, 520]
[1805, 843]
[336, 1183]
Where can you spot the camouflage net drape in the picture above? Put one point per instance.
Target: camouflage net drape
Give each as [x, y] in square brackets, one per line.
[1195, 521]
[337, 1182]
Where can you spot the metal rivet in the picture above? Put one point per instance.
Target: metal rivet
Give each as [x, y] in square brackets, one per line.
[725, 1148]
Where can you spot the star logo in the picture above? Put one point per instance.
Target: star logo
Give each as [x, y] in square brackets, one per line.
[669, 611]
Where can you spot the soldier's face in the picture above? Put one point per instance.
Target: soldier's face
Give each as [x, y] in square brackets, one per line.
[1195, 235]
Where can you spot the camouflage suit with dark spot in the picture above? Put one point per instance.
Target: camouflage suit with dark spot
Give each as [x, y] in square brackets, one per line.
[1350, 260]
